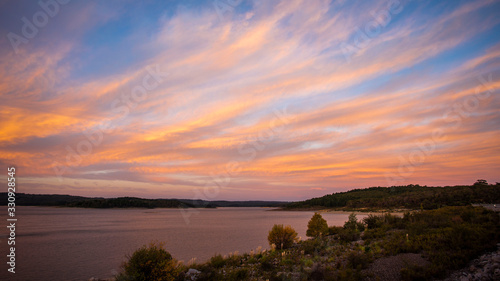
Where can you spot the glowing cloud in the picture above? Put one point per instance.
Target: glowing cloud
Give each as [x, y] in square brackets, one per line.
[274, 100]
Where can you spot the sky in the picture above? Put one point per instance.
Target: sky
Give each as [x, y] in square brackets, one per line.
[247, 100]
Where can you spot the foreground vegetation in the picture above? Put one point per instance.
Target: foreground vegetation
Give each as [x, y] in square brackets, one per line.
[446, 239]
[405, 197]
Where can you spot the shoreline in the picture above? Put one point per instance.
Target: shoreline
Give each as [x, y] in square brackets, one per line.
[342, 211]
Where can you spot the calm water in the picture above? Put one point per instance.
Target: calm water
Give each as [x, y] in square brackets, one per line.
[76, 244]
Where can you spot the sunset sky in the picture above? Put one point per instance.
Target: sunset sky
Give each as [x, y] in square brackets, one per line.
[241, 100]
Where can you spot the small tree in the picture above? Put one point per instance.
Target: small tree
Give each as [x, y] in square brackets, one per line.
[481, 182]
[353, 224]
[317, 226]
[352, 229]
[151, 262]
[281, 236]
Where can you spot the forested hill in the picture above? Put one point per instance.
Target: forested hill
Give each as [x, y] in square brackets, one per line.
[405, 197]
[24, 199]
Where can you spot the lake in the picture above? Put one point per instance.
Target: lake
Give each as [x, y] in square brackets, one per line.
[77, 244]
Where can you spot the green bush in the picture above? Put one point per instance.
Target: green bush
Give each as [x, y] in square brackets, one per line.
[282, 237]
[353, 224]
[393, 221]
[239, 274]
[317, 226]
[208, 273]
[358, 260]
[317, 273]
[307, 262]
[312, 246]
[265, 264]
[150, 263]
[349, 234]
[217, 261]
[332, 230]
[376, 233]
[373, 221]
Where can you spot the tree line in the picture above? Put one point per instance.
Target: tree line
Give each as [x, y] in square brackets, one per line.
[25, 199]
[408, 197]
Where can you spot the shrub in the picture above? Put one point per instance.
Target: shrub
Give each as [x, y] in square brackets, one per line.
[349, 235]
[151, 262]
[374, 233]
[358, 260]
[317, 226]
[307, 262]
[239, 274]
[373, 221]
[208, 273]
[217, 261]
[332, 230]
[233, 260]
[266, 264]
[353, 224]
[312, 246]
[317, 273]
[281, 236]
[393, 221]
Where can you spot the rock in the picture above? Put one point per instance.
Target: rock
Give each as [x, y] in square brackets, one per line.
[296, 276]
[485, 267]
[192, 274]
[496, 273]
[496, 258]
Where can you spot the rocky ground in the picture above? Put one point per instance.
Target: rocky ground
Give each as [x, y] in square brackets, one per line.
[389, 268]
[484, 268]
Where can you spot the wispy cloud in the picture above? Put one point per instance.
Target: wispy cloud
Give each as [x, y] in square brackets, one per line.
[349, 120]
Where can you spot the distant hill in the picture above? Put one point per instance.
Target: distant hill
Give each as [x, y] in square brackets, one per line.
[404, 197]
[373, 198]
[223, 203]
[24, 199]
